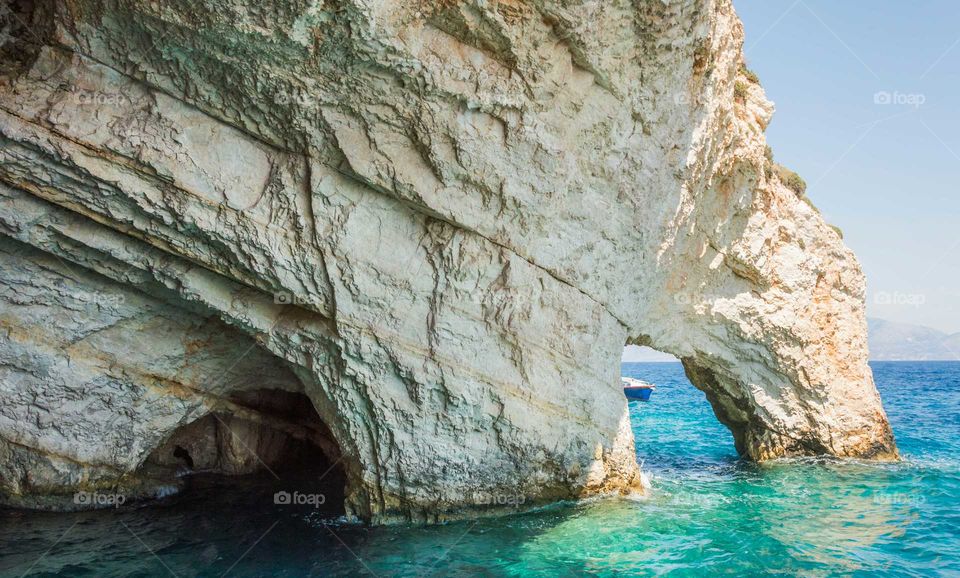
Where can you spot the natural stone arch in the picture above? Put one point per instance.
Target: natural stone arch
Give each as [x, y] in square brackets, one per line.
[467, 212]
[772, 329]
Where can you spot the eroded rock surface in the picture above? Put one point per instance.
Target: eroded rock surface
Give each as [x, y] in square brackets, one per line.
[441, 221]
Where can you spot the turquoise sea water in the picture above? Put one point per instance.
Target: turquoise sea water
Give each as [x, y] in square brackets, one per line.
[709, 513]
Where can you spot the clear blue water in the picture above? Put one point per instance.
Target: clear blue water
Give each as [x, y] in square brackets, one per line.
[709, 513]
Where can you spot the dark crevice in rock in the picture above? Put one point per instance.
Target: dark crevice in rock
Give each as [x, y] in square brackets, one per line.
[25, 27]
[280, 435]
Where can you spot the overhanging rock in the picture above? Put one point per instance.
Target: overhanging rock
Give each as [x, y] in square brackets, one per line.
[439, 221]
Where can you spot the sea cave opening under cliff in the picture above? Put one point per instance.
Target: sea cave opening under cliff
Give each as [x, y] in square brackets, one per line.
[262, 444]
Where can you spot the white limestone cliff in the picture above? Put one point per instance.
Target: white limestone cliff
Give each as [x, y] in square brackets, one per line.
[438, 221]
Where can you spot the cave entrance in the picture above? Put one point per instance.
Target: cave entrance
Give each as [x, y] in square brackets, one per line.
[265, 441]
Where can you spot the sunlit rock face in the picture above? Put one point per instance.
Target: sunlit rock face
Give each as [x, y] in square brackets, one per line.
[440, 221]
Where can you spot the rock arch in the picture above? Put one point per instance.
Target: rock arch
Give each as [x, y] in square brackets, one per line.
[446, 226]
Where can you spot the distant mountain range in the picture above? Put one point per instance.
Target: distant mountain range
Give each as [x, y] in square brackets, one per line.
[888, 340]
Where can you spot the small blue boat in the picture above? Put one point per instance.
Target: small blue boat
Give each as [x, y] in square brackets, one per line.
[636, 388]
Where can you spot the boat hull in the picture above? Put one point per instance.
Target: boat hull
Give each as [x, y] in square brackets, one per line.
[638, 393]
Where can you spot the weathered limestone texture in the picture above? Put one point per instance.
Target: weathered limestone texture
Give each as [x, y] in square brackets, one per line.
[440, 221]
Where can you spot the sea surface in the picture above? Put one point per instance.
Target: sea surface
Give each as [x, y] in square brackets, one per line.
[709, 513]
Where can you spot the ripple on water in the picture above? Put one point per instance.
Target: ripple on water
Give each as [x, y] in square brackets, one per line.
[708, 512]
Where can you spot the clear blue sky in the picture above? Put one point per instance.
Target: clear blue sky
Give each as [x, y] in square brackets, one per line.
[887, 174]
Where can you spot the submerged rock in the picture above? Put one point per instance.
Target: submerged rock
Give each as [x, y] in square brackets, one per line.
[440, 222]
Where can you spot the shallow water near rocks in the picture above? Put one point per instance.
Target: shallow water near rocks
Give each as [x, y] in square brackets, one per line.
[708, 512]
